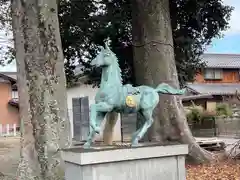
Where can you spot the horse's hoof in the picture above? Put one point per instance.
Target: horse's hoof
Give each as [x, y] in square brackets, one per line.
[86, 145]
[97, 130]
[135, 141]
[134, 144]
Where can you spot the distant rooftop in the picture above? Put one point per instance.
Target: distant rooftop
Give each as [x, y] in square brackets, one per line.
[222, 60]
[8, 78]
[12, 75]
[194, 97]
[214, 88]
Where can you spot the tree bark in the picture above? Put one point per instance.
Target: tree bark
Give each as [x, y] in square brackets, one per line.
[154, 63]
[45, 127]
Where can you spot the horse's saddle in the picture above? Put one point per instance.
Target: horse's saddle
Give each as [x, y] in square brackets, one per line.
[132, 90]
[131, 96]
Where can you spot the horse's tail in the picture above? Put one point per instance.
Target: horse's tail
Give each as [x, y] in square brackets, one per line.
[167, 89]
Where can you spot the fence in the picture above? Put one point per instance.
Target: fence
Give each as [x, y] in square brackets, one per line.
[206, 128]
[217, 127]
[228, 127]
[8, 130]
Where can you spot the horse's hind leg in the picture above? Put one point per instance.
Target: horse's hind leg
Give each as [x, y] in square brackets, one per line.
[141, 132]
[141, 118]
[99, 118]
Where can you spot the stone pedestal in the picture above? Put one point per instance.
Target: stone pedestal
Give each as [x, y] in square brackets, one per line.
[153, 162]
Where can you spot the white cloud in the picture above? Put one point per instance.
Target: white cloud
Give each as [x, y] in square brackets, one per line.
[234, 21]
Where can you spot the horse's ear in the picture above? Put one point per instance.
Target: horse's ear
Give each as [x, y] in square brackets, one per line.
[106, 46]
[101, 48]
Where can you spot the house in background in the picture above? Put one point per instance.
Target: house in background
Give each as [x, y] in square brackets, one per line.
[220, 68]
[198, 100]
[8, 94]
[220, 78]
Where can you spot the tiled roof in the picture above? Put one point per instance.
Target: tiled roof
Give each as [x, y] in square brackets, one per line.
[221, 60]
[215, 88]
[194, 97]
[9, 78]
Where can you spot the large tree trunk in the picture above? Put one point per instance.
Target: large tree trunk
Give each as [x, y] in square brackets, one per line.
[154, 63]
[42, 91]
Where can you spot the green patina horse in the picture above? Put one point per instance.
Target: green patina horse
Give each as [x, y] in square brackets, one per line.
[113, 96]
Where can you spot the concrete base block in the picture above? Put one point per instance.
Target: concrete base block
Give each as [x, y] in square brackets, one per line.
[141, 163]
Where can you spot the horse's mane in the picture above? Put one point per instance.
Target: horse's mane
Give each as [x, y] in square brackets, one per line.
[116, 64]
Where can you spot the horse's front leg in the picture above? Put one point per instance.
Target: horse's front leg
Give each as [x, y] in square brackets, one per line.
[141, 132]
[99, 118]
[97, 114]
[101, 107]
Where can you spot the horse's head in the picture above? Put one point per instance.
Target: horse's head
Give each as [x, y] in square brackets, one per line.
[104, 58]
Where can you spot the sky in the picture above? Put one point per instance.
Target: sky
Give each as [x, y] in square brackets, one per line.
[229, 43]
[4, 42]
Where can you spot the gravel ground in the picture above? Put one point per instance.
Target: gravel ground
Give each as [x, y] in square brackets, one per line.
[9, 156]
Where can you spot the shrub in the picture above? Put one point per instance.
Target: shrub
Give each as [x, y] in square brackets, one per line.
[223, 109]
[194, 114]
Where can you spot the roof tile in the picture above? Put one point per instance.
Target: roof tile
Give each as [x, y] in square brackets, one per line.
[221, 60]
[215, 88]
